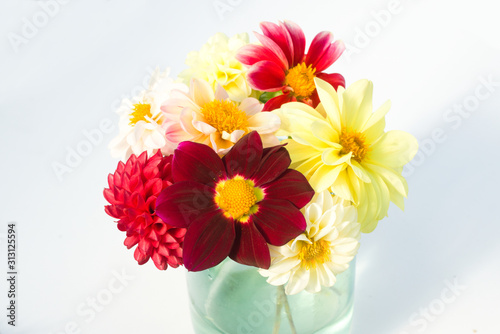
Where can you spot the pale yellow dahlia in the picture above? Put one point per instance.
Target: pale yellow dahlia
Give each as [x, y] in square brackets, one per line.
[342, 146]
[314, 258]
[216, 64]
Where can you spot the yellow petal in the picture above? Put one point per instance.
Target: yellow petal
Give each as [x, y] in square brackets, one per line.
[329, 103]
[357, 104]
[324, 177]
[394, 149]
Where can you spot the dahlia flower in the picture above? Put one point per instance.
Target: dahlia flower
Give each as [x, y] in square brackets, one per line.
[280, 63]
[141, 119]
[132, 194]
[236, 205]
[214, 119]
[216, 64]
[342, 146]
[324, 250]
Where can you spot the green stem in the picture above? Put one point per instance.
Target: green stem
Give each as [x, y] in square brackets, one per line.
[279, 306]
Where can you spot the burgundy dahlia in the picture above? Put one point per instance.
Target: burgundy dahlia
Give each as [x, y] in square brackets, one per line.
[132, 193]
[234, 206]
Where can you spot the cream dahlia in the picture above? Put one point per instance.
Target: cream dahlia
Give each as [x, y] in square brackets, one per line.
[132, 193]
[324, 250]
[213, 119]
[216, 64]
[141, 119]
[342, 146]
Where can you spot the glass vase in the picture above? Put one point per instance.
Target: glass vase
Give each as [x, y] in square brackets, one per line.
[235, 299]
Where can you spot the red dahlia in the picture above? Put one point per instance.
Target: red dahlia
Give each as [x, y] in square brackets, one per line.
[132, 193]
[236, 205]
[281, 64]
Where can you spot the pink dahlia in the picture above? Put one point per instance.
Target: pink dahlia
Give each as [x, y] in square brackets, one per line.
[132, 193]
[281, 64]
[234, 206]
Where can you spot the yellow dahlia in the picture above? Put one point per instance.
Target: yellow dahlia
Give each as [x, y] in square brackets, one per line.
[342, 146]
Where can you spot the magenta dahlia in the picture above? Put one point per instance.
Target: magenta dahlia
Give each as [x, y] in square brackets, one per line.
[281, 64]
[234, 206]
[132, 193]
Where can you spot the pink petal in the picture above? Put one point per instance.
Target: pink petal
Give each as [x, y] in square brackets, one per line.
[208, 241]
[331, 54]
[279, 221]
[318, 46]
[274, 48]
[281, 37]
[181, 203]
[334, 79]
[245, 156]
[291, 186]
[251, 54]
[275, 161]
[298, 39]
[266, 76]
[250, 247]
[277, 101]
[197, 162]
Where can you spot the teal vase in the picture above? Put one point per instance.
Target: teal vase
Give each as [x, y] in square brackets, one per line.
[235, 299]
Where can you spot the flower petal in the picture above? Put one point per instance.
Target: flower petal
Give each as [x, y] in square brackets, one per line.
[280, 36]
[277, 101]
[291, 186]
[271, 45]
[251, 106]
[266, 76]
[197, 162]
[330, 55]
[275, 161]
[318, 46]
[279, 221]
[394, 149]
[208, 241]
[201, 92]
[250, 247]
[252, 54]
[298, 40]
[179, 204]
[334, 79]
[245, 156]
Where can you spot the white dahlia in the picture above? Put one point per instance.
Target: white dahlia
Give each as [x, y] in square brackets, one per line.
[141, 119]
[324, 250]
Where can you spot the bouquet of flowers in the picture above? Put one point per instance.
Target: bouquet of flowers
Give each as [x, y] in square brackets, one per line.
[258, 153]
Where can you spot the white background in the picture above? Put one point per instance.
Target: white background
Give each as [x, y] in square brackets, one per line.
[68, 75]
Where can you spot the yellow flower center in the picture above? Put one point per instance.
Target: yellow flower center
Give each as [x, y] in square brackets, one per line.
[354, 142]
[237, 197]
[225, 116]
[301, 79]
[141, 111]
[316, 253]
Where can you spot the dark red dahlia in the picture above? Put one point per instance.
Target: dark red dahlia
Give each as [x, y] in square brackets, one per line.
[132, 193]
[281, 64]
[234, 206]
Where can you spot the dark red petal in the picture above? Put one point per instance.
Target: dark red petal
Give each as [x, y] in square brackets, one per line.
[281, 37]
[291, 186]
[251, 54]
[279, 221]
[334, 79]
[277, 102]
[181, 203]
[274, 48]
[318, 46]
[245, 156]
[250, 247]
[274, 163]
[298, 40]
[197, 162]
[330, 55]
[208, 241]
[266, 76]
